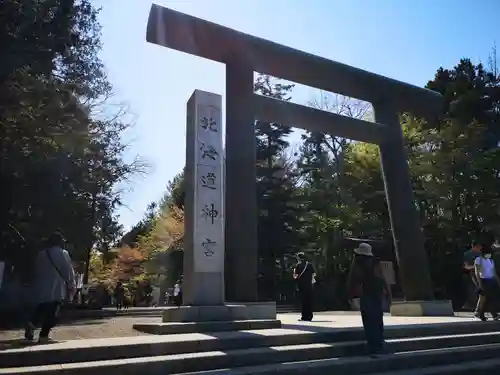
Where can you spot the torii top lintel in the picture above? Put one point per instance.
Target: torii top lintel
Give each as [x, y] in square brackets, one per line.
[198, 37]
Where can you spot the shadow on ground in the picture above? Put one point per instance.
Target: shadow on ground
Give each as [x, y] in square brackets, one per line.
[9, 325]
[22, 343]
[15, 344]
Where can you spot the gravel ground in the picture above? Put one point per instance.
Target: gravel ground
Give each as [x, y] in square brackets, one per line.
[88, 329]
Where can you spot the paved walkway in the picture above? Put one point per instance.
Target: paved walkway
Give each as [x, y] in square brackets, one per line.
[353, 319]
[88, 329]
[116, 327]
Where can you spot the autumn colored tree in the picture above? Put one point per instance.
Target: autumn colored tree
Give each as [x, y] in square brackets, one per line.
[127, 265]
[98, 270]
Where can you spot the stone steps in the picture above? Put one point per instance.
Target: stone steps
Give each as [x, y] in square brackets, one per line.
[286, 351]
[484, 367]
[450, 361]
[264, 361]
[144, 346]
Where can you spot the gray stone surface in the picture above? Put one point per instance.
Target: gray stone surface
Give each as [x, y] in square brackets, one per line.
[332, 345]
[422, 308]
[227, 312]
[241, 198]
[119, 328]
[188, 34]
[211, 326]
[313, 359]
[408, 238]
[204, 224]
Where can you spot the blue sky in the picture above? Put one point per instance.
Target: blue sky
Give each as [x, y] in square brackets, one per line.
[406, 40]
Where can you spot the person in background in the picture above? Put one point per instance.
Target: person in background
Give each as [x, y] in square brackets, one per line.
[178, 292]
[305, 276]
[366, 281]
[127, 299]
[54, 282]
[488, 284]
[119, 296]
[469, 258]
[148, 293]
[137, 294]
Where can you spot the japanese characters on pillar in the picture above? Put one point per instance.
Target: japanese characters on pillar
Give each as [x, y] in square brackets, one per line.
[208, 246]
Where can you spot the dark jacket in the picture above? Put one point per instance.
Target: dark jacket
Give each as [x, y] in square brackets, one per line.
[305, 270]
[365, 278]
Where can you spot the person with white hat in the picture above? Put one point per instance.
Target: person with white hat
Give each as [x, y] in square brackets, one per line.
[367, 282]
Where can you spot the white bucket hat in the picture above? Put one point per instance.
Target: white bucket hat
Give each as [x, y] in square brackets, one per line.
[364, 249]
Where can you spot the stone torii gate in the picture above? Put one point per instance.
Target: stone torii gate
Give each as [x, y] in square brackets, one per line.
[243, 55]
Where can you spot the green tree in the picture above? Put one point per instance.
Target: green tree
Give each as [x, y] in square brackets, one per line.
[278, 220]
[61, 159]
[321, 164]
[458, 166]
[175, 194]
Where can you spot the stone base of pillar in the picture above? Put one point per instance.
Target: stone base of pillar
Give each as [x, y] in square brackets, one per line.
[422, 308]
[222, 313]
[205, 327]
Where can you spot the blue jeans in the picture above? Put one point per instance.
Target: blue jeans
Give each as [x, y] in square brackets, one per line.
[373, 322]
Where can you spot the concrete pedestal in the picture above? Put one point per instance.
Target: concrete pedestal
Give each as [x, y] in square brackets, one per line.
[206, 327]
[227, 312]
[422, 308]
[218, 318]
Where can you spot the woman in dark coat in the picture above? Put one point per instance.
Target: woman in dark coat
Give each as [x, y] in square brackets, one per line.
[366, 281]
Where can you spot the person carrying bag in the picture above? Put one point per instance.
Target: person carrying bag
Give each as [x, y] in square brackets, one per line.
[366, 282]
[54, 284]
[305, 276]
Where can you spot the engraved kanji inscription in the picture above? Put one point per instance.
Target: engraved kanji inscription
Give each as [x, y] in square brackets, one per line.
[209, 181]
[210, 212]
[209, 247]
[208, 152]
[209, 124]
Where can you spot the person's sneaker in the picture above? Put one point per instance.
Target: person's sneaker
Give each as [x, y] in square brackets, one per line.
[496, 317]
[29, 332]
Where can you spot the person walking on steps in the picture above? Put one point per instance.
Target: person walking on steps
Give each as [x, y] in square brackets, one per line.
[367, 282]
[54, 282]
[488, 285]
[305, 276]
[469, 258]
